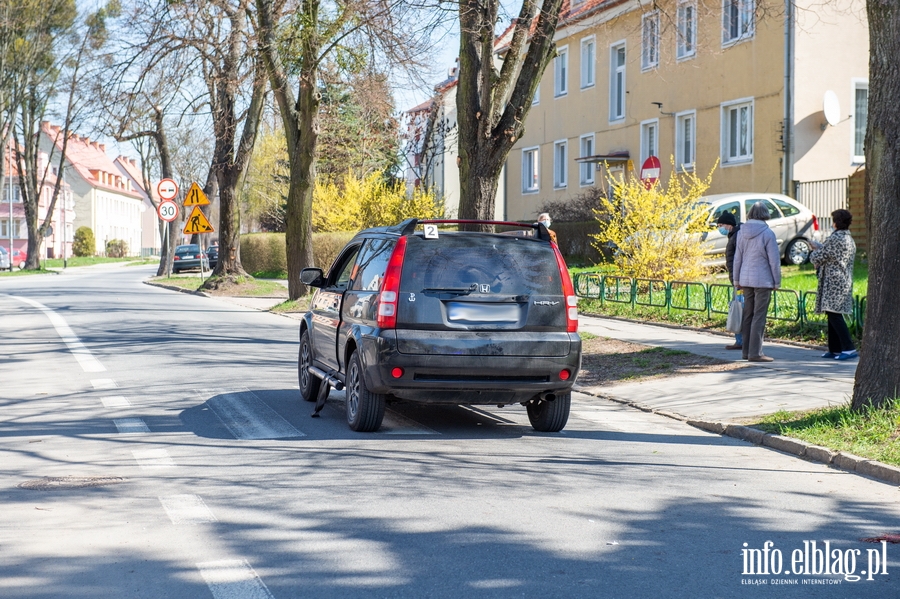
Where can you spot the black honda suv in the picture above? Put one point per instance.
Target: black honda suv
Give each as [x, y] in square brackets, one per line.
[441, 316]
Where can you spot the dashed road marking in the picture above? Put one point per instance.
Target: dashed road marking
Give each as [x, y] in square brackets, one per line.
[233, 579]
[84, 356]
[153, 458]
[104, 383]
[186, 509]
[115, 402]
[248, 417]
[131, 425]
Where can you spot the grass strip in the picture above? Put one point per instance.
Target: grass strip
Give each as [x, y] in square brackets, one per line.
[872, 433]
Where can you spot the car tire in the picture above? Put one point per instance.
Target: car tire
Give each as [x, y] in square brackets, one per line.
[365, 409]
[549, 416]
[797, 252]
[310, 384]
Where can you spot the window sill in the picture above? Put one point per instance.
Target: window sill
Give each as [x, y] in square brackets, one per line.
[530, 191]
[737, 162]
[738, 40]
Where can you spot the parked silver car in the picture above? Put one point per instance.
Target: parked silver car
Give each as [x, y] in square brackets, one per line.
[793, 223]
[4, 258]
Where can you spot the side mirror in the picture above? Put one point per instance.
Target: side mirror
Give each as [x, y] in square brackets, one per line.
[312, 277]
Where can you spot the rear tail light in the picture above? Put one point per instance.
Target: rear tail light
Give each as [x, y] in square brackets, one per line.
[564, 375]
[390, 287]
[568, 292]
[396, 372]
[176, 258]
[815, 223]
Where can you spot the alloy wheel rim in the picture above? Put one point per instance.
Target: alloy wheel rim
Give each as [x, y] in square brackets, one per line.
[799, 252]
[304, 365]
[353, 392]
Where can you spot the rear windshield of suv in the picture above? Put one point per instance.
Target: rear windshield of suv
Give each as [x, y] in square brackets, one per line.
[493, 263]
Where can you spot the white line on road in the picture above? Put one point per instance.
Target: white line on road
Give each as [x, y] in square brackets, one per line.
[153, 458]
[186, 509]
[116, 401]
[131, 425]
[88, 362]
[104, 383]
[233, 579]
[248, 417]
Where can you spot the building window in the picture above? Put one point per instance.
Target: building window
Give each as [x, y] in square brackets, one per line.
[559, 163]
[650, 40]
[561, 72]
[685, 146]
[687, 30]
[617, 82]
[860, 117]
[737, 132]
[737, 20]
[649, 139]
[586, 169]
[530, 181]
[588, 57]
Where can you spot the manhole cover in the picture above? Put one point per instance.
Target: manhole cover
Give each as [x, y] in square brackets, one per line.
[62, 483]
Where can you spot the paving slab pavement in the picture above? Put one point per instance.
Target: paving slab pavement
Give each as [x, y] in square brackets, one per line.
[798, 379]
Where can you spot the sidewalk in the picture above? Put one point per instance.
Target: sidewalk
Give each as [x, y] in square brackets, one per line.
[798, 379]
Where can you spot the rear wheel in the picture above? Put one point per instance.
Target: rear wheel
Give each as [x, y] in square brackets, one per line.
[309, 383]
[365, 410]
[549, 416]
[797, 252]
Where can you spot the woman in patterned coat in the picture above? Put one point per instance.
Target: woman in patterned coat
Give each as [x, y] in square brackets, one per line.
[834, 295]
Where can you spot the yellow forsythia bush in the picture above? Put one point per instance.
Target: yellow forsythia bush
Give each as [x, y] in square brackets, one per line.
[355, 204]
[655, 232]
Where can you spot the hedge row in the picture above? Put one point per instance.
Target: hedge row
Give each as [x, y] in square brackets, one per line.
[265, 252]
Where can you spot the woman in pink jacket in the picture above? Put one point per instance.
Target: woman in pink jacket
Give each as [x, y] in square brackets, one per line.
[757, 270]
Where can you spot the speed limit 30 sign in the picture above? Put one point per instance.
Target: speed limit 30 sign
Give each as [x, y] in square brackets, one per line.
[167, 211]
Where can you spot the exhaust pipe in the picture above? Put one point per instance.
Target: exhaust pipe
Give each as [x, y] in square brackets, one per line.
[328, 378]
[548, 396]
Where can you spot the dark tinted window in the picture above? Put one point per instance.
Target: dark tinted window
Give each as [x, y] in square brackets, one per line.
[494, 263]
[372, 263]
[345, 268]
[191, 248]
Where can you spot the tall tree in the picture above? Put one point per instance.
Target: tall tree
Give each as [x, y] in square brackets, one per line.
[878, 373]
[295, 39]
[492, 103]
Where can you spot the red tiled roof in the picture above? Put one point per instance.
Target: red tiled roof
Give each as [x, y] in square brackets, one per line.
[89, 159]
[131, 168]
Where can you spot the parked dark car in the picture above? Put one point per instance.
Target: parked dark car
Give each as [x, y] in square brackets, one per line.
[212, 255]
[187, 257]
[447, 317]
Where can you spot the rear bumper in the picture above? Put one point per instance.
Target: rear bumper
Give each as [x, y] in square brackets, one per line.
[466, 379]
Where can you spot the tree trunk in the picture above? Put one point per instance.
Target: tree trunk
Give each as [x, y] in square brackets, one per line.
[298, 232]
[878, 373]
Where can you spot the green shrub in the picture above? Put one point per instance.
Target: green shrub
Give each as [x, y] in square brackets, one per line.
[116, 248]
[84, 243]
[266, 252]
[576, 242]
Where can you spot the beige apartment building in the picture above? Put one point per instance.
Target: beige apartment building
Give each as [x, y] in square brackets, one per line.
[696, 82]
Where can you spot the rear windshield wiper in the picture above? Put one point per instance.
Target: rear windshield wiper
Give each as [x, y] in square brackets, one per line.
[456, 290]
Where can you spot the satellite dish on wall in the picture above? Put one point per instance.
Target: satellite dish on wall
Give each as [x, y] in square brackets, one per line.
[832, 108]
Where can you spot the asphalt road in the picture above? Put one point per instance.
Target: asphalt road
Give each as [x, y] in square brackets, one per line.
[154, 445]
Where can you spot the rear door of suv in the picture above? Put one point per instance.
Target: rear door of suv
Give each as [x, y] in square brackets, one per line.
[481, 294]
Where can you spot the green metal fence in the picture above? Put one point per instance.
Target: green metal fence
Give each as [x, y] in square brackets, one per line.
[787, 305]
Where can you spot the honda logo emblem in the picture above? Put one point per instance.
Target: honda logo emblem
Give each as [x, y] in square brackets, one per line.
[482, 288]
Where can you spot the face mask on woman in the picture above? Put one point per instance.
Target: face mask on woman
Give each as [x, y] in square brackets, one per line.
[724, 231]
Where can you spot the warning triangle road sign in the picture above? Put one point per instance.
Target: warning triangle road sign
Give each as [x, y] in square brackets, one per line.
[195, 196]
[197, 223]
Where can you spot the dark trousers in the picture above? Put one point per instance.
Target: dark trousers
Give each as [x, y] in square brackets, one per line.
[753, 324]
[838, 334]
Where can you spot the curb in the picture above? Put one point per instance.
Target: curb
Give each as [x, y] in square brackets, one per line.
[175, 288]
[813, 453]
